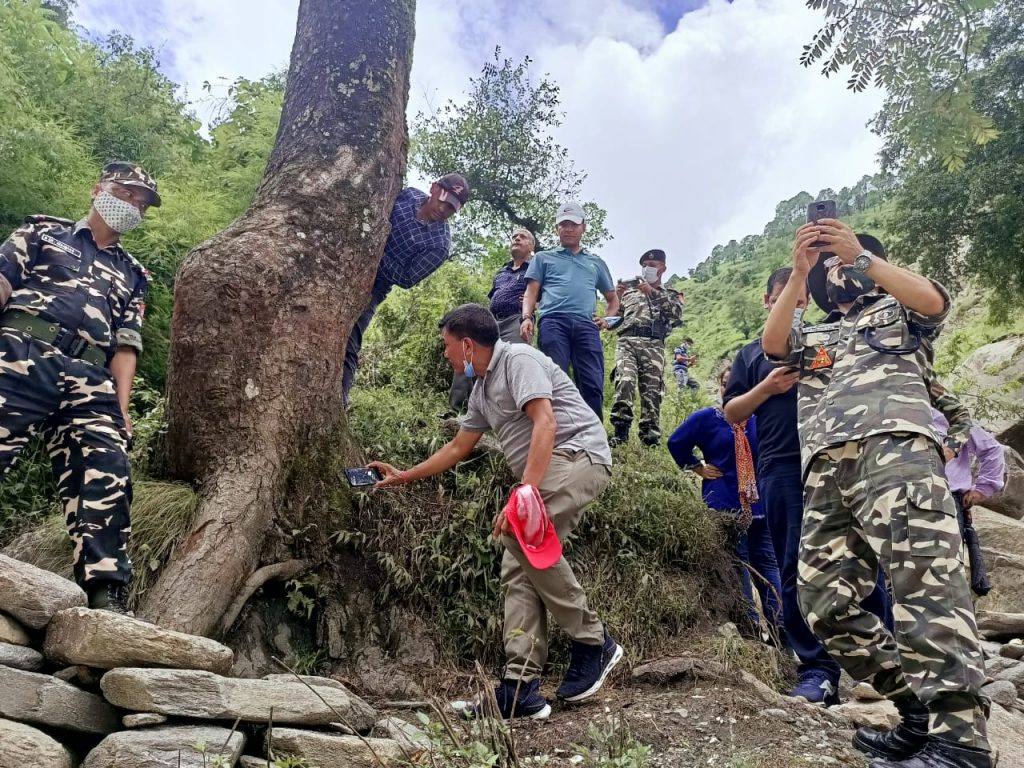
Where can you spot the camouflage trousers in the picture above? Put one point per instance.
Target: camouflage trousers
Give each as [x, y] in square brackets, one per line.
[74, 405]
[639, 364]
[885, 500]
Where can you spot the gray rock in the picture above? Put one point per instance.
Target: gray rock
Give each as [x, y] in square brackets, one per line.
[864, 692]
[206, 695]
[316, 682]
[1010, 500]
[143, 720]
[998, 664]
[1013, 674]
[995, 625]
[1001, 692]
[327, 750]
[108, 640]
[875, 714]
[22, 746]
[991, 649]
[45, 700]
[1012, 650]
[20, 657]
[405, 734]
[1006, 735]
[248, 761]
[86, 677]
[32, 595]
[12, 632]
[167, 747]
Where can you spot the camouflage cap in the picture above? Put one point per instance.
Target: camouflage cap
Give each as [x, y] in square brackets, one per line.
[131, 175]
[818, 276]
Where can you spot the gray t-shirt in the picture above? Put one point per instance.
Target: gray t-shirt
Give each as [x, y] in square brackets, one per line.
[517, 374]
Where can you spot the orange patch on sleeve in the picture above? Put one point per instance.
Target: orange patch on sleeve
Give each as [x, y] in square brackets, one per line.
[821, 360]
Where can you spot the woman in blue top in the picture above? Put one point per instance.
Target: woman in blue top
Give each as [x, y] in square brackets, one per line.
[729, 486]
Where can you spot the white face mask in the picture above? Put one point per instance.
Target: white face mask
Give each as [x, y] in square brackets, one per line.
[650, 274]
[120, 215]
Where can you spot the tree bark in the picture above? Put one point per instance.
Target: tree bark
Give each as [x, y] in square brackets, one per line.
[263, 310]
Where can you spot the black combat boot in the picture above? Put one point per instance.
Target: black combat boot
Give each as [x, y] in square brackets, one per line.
[940, 753]
[906, 739]
[621, 436]
[109, 596]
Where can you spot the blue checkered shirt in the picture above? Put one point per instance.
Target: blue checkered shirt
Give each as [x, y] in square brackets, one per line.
[415, 249]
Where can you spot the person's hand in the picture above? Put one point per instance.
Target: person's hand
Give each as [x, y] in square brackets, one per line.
[500, 527]
[841, 240]
[682, 299]
[973, 497]
[128, 428]
[526, 330]
[805, 255]
[780, 381]
[601, 323]
[708, 471]
[645, 288]
[392, 475]
[948, 453]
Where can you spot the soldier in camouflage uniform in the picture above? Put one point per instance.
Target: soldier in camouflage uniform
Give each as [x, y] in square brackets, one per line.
[875, 492]
[70, 332]
[649, 311]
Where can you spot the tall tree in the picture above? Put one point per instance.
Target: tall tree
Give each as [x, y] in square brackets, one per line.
[500, 138]
[263, 310]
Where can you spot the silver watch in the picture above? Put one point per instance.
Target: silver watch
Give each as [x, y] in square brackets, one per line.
[863, 261]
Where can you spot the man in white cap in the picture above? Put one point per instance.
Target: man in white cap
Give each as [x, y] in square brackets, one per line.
[566, 281]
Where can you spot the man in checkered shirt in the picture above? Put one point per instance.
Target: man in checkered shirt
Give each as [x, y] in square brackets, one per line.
[419, 243]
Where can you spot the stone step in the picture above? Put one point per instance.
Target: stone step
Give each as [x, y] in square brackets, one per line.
[32, 595]
[108, 640]
[22, 746]
[45, 700]
[167, 747]
[324, 749]
[187, 693]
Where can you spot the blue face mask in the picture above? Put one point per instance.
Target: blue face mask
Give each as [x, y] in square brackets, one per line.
[470, 371]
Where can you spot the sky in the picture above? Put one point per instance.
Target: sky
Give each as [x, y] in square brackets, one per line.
[692, 118]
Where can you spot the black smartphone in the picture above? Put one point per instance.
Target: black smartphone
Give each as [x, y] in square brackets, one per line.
[360, 477]
[822, 209]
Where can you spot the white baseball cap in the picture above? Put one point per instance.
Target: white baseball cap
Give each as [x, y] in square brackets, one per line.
[570, 211]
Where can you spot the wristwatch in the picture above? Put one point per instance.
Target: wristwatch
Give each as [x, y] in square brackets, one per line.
[864, 261]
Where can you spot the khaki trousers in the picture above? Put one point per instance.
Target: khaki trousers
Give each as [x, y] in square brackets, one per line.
[572, 481]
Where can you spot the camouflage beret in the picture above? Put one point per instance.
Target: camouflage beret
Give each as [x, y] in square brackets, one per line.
[131, 175]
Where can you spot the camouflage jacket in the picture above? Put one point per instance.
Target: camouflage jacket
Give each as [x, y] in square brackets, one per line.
[56, 271]
[651, 316]
[865, 373]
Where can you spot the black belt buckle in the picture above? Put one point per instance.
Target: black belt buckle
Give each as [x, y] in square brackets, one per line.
[70, 343]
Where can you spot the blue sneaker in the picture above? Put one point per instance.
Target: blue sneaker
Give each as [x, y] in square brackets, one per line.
[515, 698]
[589, 665]
[816, 687]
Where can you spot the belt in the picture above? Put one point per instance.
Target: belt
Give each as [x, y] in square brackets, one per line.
[65, 340]
[642, 333]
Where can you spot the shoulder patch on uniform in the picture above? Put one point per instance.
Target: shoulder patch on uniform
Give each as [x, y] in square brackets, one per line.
[48, 238]
[821, 360]
[42, 218]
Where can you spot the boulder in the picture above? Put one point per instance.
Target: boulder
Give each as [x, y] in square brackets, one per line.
[12, 632]
[328, 750]
[1001, 692]
[32, 595]
[108, 640]
[1010, 501]
[1012, 650]
[1006, 734]
[22, 746]
[1014, 674]
[1002, 541]
[168, 747]
[195, 694]
[45, 700]
[20, 657]
[143, 720]
[875, 714]
[995, 625]
[996, 372]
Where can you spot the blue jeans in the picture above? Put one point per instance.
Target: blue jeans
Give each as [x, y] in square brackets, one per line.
[571, 340]
[355, 343]
[782, 489]
[755, 549]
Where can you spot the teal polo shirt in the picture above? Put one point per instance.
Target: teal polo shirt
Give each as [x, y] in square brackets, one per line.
[568, 283]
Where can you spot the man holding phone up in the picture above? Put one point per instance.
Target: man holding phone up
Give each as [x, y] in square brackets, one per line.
[876, 493]
[555, 444]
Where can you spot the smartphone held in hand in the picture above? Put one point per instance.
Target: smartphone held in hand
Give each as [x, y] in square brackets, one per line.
[360, 477]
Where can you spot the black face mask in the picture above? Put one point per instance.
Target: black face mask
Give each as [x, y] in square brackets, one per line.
[845, 284]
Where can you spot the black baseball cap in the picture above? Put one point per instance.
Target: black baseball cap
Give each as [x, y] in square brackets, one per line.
[455, 190]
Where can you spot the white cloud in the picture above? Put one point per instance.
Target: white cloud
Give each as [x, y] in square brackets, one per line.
[690, 138]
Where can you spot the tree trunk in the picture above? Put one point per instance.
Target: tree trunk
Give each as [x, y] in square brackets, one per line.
[263, 310]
